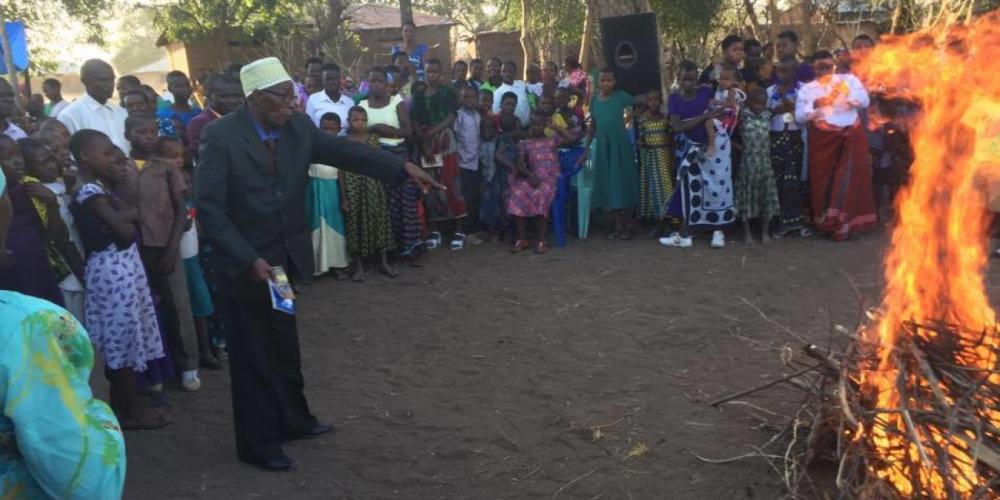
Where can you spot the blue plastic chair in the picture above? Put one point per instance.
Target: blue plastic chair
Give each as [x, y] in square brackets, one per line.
[568, 169]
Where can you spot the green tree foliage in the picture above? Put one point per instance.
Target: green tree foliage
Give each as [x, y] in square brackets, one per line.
[188, 20]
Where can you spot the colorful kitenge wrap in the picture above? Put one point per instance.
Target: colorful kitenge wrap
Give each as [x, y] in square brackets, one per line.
[840, 180]
[368, 229]
[404, 216]
[787, 152]
[656, 167]
[704, 194]
[326, 221]
[542, 158]
[440, 154]
[56, 439]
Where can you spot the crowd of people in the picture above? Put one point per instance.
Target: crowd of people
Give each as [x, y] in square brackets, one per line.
[106, 222]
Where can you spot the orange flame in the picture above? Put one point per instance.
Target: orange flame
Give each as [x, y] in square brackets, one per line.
[934, 269]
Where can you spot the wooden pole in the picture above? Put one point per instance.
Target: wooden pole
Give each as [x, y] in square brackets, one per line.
[405, 12]
[8, 57]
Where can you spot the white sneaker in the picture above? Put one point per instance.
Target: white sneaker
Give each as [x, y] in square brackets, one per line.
[718, 239]
[190, 381]
[675, 240]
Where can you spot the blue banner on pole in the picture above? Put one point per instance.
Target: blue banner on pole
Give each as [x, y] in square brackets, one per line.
[18, 47]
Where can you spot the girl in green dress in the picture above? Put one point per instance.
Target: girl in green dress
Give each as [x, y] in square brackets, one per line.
[616, 180]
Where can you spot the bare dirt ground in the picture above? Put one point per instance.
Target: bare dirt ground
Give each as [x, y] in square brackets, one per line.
[481, 375]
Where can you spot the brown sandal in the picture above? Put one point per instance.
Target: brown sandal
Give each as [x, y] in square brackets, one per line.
[541, 248]
[520, 245]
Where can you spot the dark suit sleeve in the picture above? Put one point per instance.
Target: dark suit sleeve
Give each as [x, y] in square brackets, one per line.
[211, 199]
[356, 157]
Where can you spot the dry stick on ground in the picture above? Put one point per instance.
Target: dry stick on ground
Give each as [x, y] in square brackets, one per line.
[574, 481]
[762, 386]
[771, 321]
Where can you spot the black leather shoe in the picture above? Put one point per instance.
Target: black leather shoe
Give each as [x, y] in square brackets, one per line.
[281, 463]
[316, 431]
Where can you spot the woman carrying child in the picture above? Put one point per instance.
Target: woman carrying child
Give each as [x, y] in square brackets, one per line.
[31, 272]
[389, 120]
[368, 230]
[703, 197]
[533, 187]
[120, 316]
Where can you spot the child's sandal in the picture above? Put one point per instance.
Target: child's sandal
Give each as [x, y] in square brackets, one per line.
[541, 248]
[520, 245]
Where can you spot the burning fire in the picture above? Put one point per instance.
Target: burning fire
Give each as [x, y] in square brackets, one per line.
[935, 268]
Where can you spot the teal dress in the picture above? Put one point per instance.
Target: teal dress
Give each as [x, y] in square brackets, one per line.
[616, 178]
[56, 440]
[326, 220]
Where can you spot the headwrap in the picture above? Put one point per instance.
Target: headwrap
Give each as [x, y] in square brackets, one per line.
[262, 74]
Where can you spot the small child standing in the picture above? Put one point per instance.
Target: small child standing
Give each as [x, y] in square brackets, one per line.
[787, 147]
[64, 257]
[727, 102]
[468, 126]
[120, 316]
[616, 180]
[507, 129]
[756, 190]
[326, 220]
[368, 229]
[202, 308]
[162, 217]
[656, 162]
[533, 188]
[433, 113]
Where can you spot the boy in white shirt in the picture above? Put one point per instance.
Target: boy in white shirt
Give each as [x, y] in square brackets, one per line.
[518, 87]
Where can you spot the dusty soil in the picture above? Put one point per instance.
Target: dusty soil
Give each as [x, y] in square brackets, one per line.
[481, 375]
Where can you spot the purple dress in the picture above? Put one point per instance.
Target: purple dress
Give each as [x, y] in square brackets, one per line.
[31, 273]
[120, 317]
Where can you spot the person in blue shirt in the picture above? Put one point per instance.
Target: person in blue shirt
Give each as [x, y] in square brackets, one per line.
[416, 52]
[174, 118]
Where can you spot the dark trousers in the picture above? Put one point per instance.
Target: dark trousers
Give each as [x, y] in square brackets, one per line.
[174, 307]
[265, 370]
[472, 192]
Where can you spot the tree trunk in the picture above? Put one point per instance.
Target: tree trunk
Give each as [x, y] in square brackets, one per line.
[527, 44]
[588, 34]
[405, 12]
[8, 59]
[752, 14]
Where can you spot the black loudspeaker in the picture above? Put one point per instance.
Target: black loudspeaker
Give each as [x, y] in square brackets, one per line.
[632, 49]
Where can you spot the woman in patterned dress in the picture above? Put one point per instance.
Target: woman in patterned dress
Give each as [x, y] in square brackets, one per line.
[120, 316]
[656, 163]
[756, 189]
[533, 187]
[367, 226]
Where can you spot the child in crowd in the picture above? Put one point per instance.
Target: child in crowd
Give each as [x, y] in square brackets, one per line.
[31, 273]
[162, 217]
[728, 100]
[326, 220]
[468, 127]
[460, 72]
[476, 68]
[65, 259]
[758, 74]
[507, 74]
[656, 162]
[533, 187]
[703, 197]
[507, 130]
[368, 230]
[787, 148]
[490, 202]
[564, 105]
[616, 180]
[756, 190]
[433, 113]
[561, 117]
[202, 308]
[120, 317]
[178, 113]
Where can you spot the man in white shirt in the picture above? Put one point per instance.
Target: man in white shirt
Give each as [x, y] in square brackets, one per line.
[330, 99]
[840, 172]
[7, 110]
[96, 110]
[53, 92]
[518, 87]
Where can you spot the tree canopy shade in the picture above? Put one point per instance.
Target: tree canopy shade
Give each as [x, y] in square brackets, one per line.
[187, 20]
